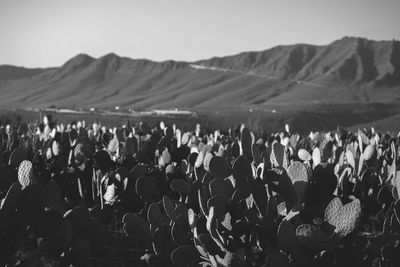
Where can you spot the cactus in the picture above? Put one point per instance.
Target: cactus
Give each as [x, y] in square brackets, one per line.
[221, 203]
[110, 194]
[207, 178]
[286, 190]
[297, 173]
[221, 186]
[260, 195]
[246, 142]
[256, 153]
[181, 209]
[344, 180]
[192, 158]
[59, 242]
[304, 155]
[137, 172]
[79, 218]
[326, 148]
[145, 187]
[316, 157]
[286, 236]
[396, 209]
[199, 160]
[31, 202]
[207, 245]
[394, 225]
[48, 223]
[162, 240]
[180, 186]
[344, 218]
[9, 203]
[349, 156]
[169, 208]
[369, 156]
[185, 167]
[54, 195]
[185, 255]
[219, 167]
[25, 172]
[279, 157]
[384, 238]
[155, 217]
[241, 171]
[137, 228]
[310, 236]
[272, 209]
[180, 231]
[207, 159]
[17, 156]
[277, 259]
[227, 222]
[228, 212]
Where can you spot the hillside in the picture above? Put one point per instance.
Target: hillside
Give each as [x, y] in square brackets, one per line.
[347, 71]
[8, 72]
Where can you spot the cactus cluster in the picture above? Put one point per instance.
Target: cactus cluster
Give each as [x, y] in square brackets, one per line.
[232, 199]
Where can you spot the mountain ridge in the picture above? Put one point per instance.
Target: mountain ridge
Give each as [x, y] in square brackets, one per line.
[347, 70]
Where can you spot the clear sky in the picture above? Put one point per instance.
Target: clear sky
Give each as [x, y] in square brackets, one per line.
[43, 33]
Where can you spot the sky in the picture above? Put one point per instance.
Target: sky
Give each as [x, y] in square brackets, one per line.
[46, 33]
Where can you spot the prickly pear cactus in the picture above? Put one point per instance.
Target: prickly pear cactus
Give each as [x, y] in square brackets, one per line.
[297, 173]
[344, 218]
[137, 227]
[310, 236]
[286, 236]
[25, 171]
[169, 208]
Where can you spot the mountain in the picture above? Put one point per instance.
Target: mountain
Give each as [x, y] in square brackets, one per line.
[349, 70]
[8, 72]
